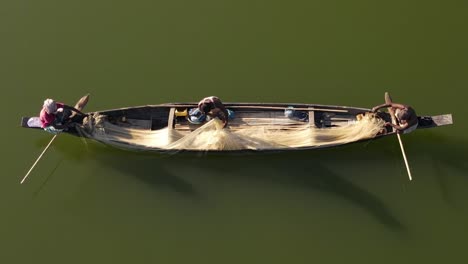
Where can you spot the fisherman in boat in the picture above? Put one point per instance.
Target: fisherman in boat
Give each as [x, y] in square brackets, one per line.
[55, 117]
[406, 117]
[213, 107]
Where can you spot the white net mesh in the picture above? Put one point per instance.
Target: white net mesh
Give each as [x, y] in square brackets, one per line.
[211, 136]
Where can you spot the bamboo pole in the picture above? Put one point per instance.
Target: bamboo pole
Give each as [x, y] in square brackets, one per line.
[394, 121]
[404, 157]
[37, 160]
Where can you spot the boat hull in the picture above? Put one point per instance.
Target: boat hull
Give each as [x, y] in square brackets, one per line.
[173, 117]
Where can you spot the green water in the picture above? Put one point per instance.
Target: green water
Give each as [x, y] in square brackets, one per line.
[88, 203]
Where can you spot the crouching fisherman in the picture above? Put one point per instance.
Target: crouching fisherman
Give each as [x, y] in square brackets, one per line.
[407, 120]
[55, 117]
[213, 107]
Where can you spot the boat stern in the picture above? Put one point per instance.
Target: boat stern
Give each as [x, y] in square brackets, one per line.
[435, 121]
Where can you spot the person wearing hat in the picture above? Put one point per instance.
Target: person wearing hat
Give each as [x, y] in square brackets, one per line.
[405, 115]
[54, 115]
[213, 107]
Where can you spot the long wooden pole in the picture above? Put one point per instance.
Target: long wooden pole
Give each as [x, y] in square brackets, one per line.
[388, 100]
[40, 156]
[404, 157]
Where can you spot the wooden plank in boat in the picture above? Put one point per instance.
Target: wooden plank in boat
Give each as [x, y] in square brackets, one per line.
[311, 117]
[170, 123]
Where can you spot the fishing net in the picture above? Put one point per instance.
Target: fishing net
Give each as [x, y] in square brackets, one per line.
[212, 135]
[99, 128]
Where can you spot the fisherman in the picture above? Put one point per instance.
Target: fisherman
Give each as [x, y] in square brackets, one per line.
[405, 115]
[55, 116]
[213, 107]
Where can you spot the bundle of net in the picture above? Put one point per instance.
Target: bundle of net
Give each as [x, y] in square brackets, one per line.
[212, 136]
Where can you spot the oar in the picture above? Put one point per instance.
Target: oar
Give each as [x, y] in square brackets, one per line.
[388, 100]
[404, 156]
[40, 156]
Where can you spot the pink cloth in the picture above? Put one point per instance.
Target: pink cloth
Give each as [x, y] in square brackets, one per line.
[46, 118]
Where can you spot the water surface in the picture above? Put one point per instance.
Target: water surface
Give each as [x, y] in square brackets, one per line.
[88, 203]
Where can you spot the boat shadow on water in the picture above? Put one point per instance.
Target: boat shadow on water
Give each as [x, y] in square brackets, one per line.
[305, 170]
[149, 169]
[445, 154]
[302, 169]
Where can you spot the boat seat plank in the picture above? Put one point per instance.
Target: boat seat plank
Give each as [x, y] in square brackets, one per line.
[170, 123]
[311, 118]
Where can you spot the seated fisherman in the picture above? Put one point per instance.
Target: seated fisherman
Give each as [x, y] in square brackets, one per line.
[405, 115]
[213, 107]
[54, 116]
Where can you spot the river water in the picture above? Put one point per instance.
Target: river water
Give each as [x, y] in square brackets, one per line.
[89, 203]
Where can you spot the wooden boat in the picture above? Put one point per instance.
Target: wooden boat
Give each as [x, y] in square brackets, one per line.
[134, 127]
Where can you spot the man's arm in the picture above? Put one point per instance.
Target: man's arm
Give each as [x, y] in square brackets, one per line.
[394, 105]
[225, 118]
[399, 106]
[73, 109]
[399, 128]
[222, 115]
[376, 108]
[225, 115]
